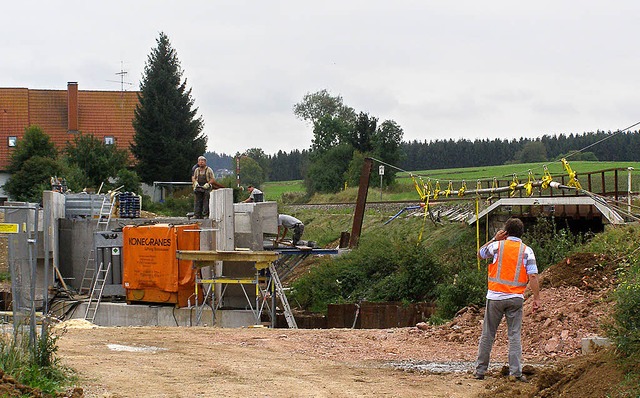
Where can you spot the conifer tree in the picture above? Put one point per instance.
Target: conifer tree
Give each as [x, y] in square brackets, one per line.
[168, 133]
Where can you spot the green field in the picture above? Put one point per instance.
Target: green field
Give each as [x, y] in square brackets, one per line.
[521, 170]
[273, 190]
[404, 188]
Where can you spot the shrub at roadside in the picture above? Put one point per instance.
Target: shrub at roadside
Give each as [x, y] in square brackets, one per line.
[175, 206]
[35, 366]
[468, 287]
[550, 242]
[382, 268]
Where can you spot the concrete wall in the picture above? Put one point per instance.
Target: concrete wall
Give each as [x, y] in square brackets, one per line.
[77, 240]
[121, 314]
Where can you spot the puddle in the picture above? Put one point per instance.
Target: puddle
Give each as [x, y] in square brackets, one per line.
[127, 348]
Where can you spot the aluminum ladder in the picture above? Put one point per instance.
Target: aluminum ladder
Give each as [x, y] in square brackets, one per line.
[288, 315]
[104, 217]
[88, 274]
[96, 292]
[106, 209]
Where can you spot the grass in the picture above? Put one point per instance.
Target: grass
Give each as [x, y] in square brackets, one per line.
[274, 190]
[35, 366]
[506, 171]
[404, 189]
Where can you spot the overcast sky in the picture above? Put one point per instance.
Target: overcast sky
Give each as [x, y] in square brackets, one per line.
[440, 69]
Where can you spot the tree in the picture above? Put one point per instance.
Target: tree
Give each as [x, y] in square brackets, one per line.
[32, 165]
[387, 142]
[329, 131]
[362, 134]
[96, 159]
[326, 169]
[250, 172]
[532, 152]
[263, 160]
[35, 143]
[316, 105]
[129, 181]
[168, 135]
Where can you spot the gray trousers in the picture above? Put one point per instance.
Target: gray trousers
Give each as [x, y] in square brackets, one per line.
[298, 230]
[495, 310]
[200, 204]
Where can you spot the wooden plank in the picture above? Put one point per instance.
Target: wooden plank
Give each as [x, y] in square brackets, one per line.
[214, 255]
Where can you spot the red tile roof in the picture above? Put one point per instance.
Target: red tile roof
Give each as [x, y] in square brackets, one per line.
[101, 113]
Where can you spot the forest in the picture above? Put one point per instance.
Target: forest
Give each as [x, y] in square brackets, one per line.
[439, 154]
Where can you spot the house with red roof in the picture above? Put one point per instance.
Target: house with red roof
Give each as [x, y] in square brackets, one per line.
[64, 113]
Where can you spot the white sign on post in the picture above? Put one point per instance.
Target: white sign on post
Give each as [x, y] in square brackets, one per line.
[381, 170]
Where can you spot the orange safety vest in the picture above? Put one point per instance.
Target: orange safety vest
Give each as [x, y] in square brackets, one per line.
[508, 274]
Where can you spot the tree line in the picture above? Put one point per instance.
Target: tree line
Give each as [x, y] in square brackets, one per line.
[169, 137]
[439, 154]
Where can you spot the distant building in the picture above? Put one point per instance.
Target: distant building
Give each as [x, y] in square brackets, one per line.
[222, 173]
[62, 114]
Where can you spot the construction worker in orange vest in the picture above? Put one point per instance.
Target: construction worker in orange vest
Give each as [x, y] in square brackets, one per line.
[513, 268]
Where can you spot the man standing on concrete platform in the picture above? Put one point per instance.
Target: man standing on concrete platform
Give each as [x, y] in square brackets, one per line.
[203, 181]
[513, 267]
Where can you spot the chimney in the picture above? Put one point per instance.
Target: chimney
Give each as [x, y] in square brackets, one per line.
[72, 107]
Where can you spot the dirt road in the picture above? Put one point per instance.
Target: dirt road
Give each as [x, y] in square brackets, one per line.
[211, 362]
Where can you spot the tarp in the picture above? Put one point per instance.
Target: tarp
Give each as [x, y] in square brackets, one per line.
[149, 257]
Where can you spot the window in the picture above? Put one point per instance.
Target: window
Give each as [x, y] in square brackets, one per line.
[108, 140]
[12, 141]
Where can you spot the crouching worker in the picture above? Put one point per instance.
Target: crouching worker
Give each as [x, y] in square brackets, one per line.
[286, 223]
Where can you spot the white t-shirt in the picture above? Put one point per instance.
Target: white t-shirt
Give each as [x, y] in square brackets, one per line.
[288, 221]
[254, 191]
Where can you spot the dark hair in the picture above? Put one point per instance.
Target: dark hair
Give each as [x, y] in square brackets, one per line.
[249, 186]
[514, 227]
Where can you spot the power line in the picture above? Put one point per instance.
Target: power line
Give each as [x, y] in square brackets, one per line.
[411, 174]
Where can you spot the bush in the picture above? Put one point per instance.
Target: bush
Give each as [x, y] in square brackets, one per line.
[129, 181]
[550, 243]
[177, 206]
[382, 268]
[35, 366]
[468, 287]
[626, 328]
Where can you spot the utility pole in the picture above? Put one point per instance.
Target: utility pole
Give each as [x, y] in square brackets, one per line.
[358, 215]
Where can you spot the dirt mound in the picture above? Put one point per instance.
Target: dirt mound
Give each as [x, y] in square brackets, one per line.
[586, 271]
[594, 375]
[572, 308]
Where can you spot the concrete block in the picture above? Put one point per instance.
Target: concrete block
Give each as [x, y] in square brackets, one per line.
[235, 318]
[591, 344]
[121, 314]
[268, 213]
[243, 207]
[243, 222]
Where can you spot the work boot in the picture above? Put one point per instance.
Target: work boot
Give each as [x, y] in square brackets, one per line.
[478, 376]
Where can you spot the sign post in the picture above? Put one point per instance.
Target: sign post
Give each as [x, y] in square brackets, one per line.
[381, 172]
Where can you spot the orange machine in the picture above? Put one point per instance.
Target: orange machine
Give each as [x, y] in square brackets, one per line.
[151, 271]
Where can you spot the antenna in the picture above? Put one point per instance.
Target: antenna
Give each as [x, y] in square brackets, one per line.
[122, 74]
